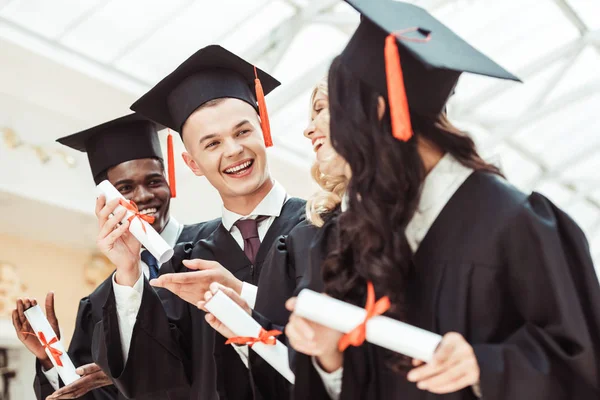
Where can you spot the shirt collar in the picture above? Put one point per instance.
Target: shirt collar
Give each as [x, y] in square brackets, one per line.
[270, 206]
[445, 178]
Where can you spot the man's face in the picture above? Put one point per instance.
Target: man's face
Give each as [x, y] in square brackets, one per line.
[143, 181]
[224, 142]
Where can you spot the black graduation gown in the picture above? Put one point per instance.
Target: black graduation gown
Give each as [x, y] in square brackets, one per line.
[88, 314]
[179, 340]
[513, 274]
[287, 270]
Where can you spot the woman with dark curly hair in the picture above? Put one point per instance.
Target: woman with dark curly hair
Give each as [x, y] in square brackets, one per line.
[505, 277]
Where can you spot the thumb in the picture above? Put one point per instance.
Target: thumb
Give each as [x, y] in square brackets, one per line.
[290, 304]
[87, 369]
[51, 314]
[199, 264]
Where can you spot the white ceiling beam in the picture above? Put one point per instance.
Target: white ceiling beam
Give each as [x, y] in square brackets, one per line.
[292, 90]
[151, 31]
[57, 52]
[271, 39]
[572, 16]
[530, 70]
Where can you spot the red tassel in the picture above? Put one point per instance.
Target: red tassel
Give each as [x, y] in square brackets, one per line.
[171, 165]
[262, 110]
[398, 103]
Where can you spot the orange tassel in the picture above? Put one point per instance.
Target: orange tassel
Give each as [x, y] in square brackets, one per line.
[398, 103]
[171, 165]
[262, 110]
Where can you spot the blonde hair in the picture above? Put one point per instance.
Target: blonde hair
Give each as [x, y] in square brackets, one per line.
[326, 200]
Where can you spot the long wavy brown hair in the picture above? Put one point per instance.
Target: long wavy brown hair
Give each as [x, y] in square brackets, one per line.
[383, 192]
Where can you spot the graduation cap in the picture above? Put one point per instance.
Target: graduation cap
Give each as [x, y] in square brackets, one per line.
[401, 50]
[123, 139]
[211, 73]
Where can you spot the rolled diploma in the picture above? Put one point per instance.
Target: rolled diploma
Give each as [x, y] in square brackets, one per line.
[150, 239]
[242, 324]
[39, 323]
[383, 331]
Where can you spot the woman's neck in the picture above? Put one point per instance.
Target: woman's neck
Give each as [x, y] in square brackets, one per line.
[430, 154]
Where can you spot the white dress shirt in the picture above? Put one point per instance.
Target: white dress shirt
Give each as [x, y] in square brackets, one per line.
[129, 299]
[440, 184]
[270, 206]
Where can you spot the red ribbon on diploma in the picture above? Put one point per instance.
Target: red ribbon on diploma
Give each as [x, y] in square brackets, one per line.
[131, 206]
[266, 337]
[47, 345]
[357, 336]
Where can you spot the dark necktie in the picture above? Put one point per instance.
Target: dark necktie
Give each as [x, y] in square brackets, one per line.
[249, 231]
[151, 262]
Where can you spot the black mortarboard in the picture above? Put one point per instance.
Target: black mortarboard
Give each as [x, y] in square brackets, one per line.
[211, 73]
[432, 58]
[123, 139]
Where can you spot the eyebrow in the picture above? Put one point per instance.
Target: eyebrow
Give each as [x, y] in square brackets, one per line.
[123, 181]
[214, 135]
[240, 124]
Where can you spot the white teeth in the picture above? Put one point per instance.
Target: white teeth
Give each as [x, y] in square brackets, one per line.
[148, 211]
[318, 143]
[238, 168]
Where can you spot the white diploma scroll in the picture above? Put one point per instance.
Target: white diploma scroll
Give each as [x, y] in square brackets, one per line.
[382, 331]
[45, 333]
[142, 230]
[242, 324]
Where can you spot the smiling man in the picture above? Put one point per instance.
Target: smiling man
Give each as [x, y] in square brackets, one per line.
[211, 100]
[127, 152]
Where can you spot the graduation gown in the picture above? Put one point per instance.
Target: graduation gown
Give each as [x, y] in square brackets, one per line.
[513, 274]
[177, 337]
[88, 314]
[288, 269]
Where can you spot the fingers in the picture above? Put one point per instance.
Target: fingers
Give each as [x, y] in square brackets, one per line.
[290, 304]
[82, 386]
[199, 264]
[26, 304]
[100, 203]
[21, 311]
[299, 341]
[17, 322]
[88, 369]
[232, 294]
[111, 223]
[103, 210]
[416, 362]
[454, 386]
[116, 234]
[447, 347]
[51, 314]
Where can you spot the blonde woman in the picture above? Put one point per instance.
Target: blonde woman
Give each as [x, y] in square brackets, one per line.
[329, 170]
[295, 257]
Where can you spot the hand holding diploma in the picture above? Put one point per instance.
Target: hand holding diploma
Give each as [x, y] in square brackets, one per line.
[314, 339]
[232, 316]
[25, 332]
[116, 242]
[454, 367]
[92, 377]
[215, 323]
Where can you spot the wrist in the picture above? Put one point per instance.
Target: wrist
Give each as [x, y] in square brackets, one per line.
[46, 364]
[332, 361]
[128, 276]
[237, 285]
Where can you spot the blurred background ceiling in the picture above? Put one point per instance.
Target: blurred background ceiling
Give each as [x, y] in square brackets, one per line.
[68, 64]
